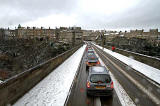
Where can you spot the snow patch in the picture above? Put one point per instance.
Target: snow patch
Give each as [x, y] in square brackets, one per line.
[150, 72]
[140, 54]
[53, 90]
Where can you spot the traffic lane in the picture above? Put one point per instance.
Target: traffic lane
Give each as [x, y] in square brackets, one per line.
[78, 96]
[135, 93]
[110, 100]
[152, 87]
[107, 100]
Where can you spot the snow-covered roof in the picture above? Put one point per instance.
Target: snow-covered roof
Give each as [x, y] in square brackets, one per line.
[114, 33]
[121, 35]
[106, 34]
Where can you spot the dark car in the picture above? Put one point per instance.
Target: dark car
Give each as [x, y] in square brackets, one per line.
[99, 82]
[92, 60]
[90, 51]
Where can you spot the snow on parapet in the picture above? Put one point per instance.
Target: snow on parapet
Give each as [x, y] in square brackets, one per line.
[121, 93]
[148, 71]
[52, 91]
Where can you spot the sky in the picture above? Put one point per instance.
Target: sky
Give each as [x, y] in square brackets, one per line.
[88, 14]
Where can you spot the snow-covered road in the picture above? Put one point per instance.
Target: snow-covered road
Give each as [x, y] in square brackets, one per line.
[53, 90]
[146, 70]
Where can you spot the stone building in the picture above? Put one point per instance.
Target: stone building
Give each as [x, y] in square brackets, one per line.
[2, 33]
[6, 34]
[153, 36]
[91, 35]
[77, 35]
[70, 35]
[110, 36]
[65, 36]
[26, 33]
[134, 33]
[88, 35]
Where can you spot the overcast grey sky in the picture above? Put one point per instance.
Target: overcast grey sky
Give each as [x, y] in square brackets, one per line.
[89, 14]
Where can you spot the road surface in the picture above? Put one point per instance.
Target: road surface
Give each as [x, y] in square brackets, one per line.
[141, 89]
[78, 95]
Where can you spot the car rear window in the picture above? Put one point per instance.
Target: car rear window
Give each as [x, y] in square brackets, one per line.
[90, 53]
[100, 78]
[92, 58]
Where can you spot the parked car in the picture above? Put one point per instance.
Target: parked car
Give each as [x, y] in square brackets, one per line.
[99, 82]
[92, 60]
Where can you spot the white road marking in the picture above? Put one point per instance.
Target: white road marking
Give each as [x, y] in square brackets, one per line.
[97, 101]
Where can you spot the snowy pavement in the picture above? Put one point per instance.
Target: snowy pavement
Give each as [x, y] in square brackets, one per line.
[53, 90]
[146, 70]
[140, 54]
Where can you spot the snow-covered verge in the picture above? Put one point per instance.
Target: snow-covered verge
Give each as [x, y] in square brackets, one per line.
[53, 90]
[141, 54]
[150, 72]
[121, 93]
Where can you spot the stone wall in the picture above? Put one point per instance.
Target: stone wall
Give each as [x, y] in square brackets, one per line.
[151, 61]
[15, 87]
